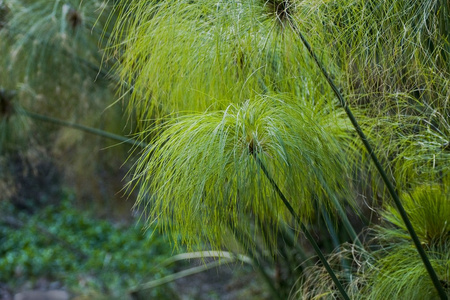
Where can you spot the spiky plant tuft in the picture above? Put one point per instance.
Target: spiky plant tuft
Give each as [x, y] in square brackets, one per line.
[59, 39]
[52, 56]
[428, 208]
[399, 274]
[390, 267]
[316, 283]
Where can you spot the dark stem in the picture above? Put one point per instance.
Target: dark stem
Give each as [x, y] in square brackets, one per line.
[290, 240]
[380, 169]
[303, 228]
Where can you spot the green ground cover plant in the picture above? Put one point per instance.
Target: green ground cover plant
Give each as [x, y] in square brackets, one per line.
[95, 258]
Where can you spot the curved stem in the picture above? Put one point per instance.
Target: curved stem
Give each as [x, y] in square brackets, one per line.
[304, 229]
[380, 169]
[181, 274]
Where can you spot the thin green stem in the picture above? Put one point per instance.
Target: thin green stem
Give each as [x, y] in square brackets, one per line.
[379, 167]
[304, 229]
[87, 129]
[181, 274]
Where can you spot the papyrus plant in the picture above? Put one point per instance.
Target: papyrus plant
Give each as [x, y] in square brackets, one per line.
[200, 177]
[50, 60]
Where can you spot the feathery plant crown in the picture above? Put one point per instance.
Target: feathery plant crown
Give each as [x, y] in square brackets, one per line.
[391, 59]
[200, 172]
[227, 61]
[52, 55]
[197, 55]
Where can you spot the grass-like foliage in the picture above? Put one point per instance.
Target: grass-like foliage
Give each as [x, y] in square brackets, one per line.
[51, 56]
[50, 66]
[390, 267]
[414, 143]
[400, 274]
[391, 58]
[200, 172]
[394, 272]
[317, 284]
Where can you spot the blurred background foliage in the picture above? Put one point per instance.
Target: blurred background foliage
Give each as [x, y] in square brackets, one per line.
[51, 60]
[68, 247]
[64, 220]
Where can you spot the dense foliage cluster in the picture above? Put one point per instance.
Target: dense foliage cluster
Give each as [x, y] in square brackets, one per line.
[260, 76]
